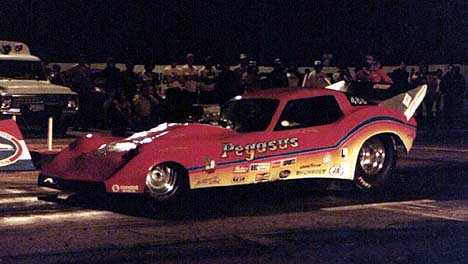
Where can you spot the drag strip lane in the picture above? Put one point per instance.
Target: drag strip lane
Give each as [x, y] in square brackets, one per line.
[259, 223]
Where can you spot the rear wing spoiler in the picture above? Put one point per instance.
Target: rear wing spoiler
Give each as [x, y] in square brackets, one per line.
[338, 86]
[406, 102]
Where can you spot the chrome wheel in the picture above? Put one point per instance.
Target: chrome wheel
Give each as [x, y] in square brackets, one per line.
[162, 181]
[372, 156]
[375, 163]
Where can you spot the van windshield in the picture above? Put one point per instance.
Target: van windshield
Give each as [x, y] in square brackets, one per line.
[24, 70]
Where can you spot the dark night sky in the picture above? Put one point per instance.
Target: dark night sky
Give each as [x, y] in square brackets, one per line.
[297, 31]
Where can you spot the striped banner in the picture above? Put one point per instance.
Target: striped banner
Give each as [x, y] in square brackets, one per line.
[14, 154]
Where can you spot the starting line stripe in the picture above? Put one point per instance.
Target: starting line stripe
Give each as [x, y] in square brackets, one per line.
[372, 205]
[60, 216]
[392, 207]
[419, 213]
[440, 149]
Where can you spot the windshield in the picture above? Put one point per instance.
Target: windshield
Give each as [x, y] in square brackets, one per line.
[27, 70]
[249, 115]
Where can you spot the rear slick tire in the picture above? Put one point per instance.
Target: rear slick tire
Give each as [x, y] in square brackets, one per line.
[375, 164]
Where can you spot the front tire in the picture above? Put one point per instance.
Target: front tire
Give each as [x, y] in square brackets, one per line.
[166, 181]
[375, 164]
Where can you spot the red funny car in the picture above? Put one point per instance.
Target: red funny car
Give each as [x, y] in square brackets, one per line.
[272, 135]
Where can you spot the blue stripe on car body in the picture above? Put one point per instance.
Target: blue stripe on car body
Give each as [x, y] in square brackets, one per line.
[343, 139]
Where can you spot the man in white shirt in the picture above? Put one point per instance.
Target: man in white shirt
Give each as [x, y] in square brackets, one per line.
[208, 76]
[316, 78]
[190, 75]
[172, 76]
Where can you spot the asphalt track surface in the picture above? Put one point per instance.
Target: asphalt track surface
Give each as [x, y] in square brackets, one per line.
[423, 220]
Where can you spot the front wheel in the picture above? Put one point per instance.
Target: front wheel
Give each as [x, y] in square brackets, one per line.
[165, 181]
[375, 164]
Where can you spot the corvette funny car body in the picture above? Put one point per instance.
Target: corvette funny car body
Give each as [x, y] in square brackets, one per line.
[272, 135]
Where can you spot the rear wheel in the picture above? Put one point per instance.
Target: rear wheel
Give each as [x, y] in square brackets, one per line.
[165, 181]
[375, 163]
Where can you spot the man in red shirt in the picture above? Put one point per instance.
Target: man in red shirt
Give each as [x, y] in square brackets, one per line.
[372, 72]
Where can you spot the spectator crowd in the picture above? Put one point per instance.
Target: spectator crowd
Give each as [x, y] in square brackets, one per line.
[139, 101]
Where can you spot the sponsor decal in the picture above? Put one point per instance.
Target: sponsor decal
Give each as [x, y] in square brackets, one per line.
[310, 172]
[210, 164]
[260, 166]
[250, 150]
[381, 86]
[125, 188]
[344, 153]
[288, 162]
[357, 100]
[284, 174]
[311, 165]
[239, 179]
[364, 183]
[283, 163]
[10, 149]
[336, 170]
[208, 181]
[327, 158]
[407, 100]
[241, 169]
[276, 164]
[262, 177]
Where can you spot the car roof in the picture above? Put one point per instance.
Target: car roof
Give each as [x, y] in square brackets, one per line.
[290, 93]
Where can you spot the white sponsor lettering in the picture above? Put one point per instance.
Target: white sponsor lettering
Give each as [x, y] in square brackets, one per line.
[125, 188]
[260, 167]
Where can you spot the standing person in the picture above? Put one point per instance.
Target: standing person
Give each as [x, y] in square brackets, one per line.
[226, 86]
[342, 74]
[439, 104]
[172, 76]
[454, 86]
[430, 100]
[56, 76]
[278, 76]
[112, 77]
[400, 77]
[149, 77]
[317, 78]
[208, 77]
[146, 108]
[190, 75]
[129, 80]
[239, 71]
[81, 82]
[249, 79]
[420, 77]
[372, 72]
[293, 75]
[241, 68]
[119, 115]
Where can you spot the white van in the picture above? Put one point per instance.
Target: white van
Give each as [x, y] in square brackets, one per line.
[27, 94]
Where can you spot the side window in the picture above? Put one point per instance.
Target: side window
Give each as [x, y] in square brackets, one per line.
[308, 112]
